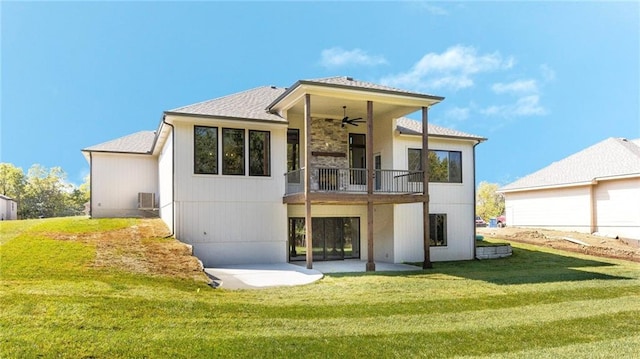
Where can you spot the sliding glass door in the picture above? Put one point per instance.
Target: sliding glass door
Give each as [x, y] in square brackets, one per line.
[334, 238]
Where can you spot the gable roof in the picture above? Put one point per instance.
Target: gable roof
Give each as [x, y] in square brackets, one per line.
[139, 142]
[250, 104]
[612, 157]
[346, 82]
[407, 126]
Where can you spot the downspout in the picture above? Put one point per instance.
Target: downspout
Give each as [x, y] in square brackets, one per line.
[173, 177]
[475, 230]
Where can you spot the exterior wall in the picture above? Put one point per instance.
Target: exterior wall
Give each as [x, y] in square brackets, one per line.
[8, 209]
[383, 234]
[408, 233]
[165, 182]
[566, 209]
[456, 200]
[618, 207]
[230, 219]
[116, 180]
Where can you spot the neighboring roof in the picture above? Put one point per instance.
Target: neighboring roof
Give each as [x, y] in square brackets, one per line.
[351, 83]
[407, 126]
[612, 157]
[139, 142]
[250, 104]
[7, 198]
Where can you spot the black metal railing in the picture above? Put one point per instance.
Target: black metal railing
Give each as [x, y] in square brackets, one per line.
[354, 180]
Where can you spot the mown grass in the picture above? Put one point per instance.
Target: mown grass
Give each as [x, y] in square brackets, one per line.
[537, 303]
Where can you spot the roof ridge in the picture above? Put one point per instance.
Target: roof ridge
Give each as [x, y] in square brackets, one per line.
[220, 98]
[630, 145]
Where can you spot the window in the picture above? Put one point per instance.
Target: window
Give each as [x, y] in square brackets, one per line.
[233, 151]
[293, 155]
[205, 158]
[358, 158]
[259, 153]
[438, 230]
[444, 166]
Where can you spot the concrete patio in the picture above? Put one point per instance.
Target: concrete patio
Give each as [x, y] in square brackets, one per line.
[257, 276]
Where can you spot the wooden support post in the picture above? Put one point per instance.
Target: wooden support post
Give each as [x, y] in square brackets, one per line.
[425, 189]
[307, 181]
[371, 265]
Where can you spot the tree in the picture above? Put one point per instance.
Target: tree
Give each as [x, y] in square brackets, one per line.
[12, 182]
[489, 203]
[43, 192]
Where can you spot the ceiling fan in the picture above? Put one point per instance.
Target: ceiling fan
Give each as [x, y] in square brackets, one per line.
[350, 121]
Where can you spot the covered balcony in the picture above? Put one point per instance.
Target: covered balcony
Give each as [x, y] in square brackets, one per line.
[350, 184]
[338, 143]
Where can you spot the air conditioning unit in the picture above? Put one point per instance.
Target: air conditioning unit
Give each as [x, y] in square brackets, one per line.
[146, 200]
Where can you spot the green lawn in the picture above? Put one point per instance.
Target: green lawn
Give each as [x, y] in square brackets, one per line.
[538, 303]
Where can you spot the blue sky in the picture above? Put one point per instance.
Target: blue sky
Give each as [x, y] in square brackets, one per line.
[540, 80]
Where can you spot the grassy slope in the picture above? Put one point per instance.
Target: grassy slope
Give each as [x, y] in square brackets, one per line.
[55, 302]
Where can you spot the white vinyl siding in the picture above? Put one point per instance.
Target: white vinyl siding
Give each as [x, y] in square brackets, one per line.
[561, 209]
[116, 180]
[409, 239]
[8, 209]
[618, 207]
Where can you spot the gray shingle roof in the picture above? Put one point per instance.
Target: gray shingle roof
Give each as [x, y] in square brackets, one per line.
[139, 142]
[611, 157]
[408, 126]
[250, 104]
[351, 82]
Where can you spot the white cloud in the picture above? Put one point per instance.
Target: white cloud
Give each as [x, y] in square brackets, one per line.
[338, 57]
[547, 73]
[520, 86]
[453, 69]
[525, 106]
[434, 10]
[457, 113]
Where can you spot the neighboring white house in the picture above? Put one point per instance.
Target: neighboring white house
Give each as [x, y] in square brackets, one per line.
[594, 190]
[238, 177]
[8, 208]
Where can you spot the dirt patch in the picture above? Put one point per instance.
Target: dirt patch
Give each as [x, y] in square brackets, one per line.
[142, 248]
[568, 241]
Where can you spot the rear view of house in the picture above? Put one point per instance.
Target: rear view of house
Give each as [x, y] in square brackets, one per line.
[326, 169]
[594, 190]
